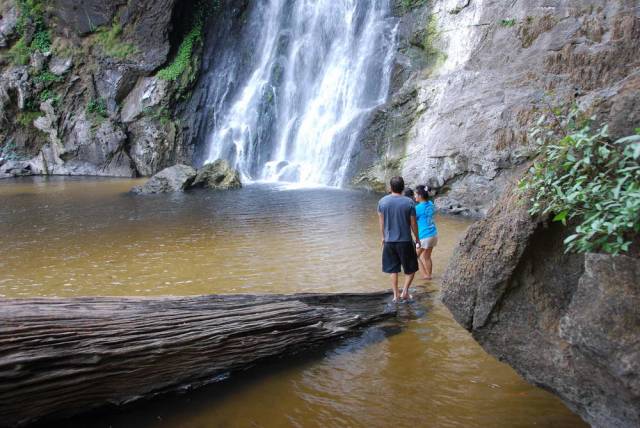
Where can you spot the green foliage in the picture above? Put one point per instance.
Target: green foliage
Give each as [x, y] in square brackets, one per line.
[408, 5]
[26, 118]
[508, 22]
[583, 178]
[161, 114]
[31, 17]
[41, 41]
[47, 78]
[19, 52]
[97, 107]
[112, 44]
[48, 94]
[182, 61]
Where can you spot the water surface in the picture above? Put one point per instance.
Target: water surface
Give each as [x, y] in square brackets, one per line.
[73, 236]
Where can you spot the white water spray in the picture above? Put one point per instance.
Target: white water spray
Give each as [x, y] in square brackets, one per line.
[317, 68]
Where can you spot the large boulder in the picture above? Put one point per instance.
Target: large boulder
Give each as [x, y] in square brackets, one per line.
[176, 178]
[218, 175]
[568, 323]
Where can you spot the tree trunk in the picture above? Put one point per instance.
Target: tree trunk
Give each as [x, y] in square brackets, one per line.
[59, 357]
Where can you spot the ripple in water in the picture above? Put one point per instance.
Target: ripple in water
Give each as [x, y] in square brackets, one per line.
[72, 236]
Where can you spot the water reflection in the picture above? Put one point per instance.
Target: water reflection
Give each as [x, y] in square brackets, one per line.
[67, 237]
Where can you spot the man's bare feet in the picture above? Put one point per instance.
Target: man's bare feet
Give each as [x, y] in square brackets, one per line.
[406, 296]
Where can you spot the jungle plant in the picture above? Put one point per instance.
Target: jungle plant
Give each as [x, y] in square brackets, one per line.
[586, 180]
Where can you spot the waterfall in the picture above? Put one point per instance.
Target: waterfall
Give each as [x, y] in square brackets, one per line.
[289, 99]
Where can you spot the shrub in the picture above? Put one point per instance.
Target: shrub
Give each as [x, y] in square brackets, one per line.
[584, 178]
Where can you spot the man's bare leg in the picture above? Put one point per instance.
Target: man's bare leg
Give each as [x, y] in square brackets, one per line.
[394, 286]
[408, 279]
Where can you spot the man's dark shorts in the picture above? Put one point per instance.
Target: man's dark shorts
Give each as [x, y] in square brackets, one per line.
[396, 254]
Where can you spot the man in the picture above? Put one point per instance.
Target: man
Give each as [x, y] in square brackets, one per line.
[397, 216]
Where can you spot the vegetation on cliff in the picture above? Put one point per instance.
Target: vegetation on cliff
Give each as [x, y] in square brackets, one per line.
[584, 178]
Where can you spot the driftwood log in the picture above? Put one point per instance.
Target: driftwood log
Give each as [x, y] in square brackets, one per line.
[60, 357]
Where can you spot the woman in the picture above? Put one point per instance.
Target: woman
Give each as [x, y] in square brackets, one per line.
[427, 231]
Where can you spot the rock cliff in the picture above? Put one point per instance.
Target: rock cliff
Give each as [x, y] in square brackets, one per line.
[567, 323]
[472, 76]
[82, 90]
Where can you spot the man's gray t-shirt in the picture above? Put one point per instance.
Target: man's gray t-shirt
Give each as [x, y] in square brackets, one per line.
[397, 211]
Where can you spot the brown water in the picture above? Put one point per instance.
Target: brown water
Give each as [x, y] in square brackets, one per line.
[70, 237]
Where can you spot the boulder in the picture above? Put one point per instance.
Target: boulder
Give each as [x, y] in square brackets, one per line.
[147, 93]
[218, 175]
[153, 145]
[8, 21]
[173, 179]
[60, 66]
[568, 323]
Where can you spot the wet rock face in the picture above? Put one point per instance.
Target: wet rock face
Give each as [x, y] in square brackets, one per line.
[568, 323]
[176, 178]
[472, 77]
[218, 175]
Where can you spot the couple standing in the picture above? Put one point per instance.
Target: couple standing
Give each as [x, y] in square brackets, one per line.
[399, 216]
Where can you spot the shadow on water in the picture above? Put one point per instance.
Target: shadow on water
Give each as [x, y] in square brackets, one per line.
[150, 412]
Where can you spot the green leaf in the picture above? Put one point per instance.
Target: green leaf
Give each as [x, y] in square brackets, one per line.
[562, 216]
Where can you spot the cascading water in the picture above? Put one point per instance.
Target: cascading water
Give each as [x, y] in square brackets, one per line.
[292, 106]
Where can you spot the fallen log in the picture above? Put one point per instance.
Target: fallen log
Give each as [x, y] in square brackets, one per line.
[60, 357]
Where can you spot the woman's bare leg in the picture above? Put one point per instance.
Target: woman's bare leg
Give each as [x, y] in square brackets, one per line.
[425, 257]
[421, 266]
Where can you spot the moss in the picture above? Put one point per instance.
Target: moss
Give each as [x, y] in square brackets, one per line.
[160, 114]
[409, 5]
[97, 112]
[508, 23]
[435, 57]
[27, 117]
[110, 40]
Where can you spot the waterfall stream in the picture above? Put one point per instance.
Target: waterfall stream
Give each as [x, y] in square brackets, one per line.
[289, 100]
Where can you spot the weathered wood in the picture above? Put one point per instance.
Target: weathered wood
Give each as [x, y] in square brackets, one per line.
[59, 357]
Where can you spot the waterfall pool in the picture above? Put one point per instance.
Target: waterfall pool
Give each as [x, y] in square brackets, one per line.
[84, 236]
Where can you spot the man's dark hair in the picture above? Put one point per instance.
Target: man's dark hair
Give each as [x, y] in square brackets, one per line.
[423, 192]
[397, 184]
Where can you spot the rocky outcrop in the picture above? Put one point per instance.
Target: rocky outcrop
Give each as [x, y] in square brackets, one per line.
[88, 102]
[218, 176]
[176, 178]
[567, 323]
[473, 76]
